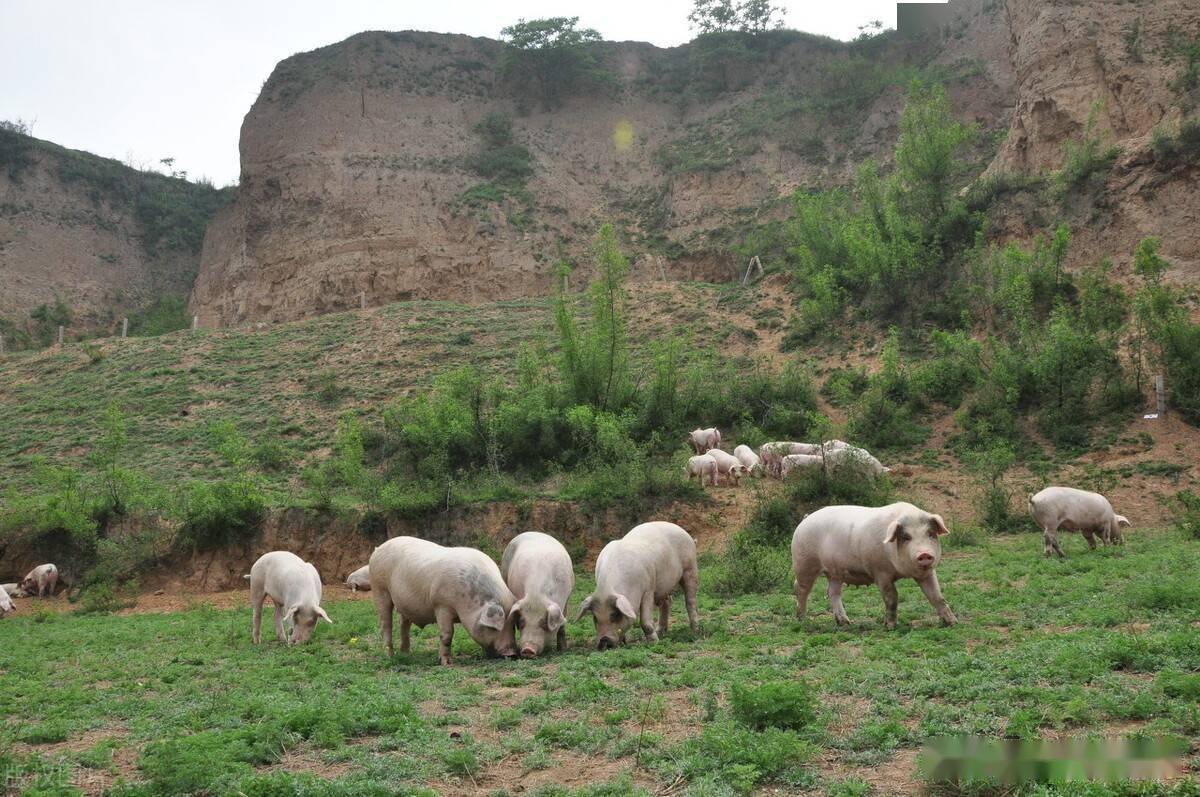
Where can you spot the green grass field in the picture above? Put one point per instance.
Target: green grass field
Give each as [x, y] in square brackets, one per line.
[1104, 642]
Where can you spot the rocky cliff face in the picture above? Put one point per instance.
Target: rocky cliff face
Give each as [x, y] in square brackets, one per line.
[357, 184]
[103, 238]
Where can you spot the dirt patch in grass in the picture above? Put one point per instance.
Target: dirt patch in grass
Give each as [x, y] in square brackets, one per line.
[304, 760]
[569, 769]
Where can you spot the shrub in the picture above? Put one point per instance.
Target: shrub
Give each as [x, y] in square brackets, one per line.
[740, 757]
[551, 58]
[748, 567]
[787, 705]
[844, 385]
[222, 512]
[1188, 519]
[193, 763]
[165, 314]
[1085, 159]
[995, 498]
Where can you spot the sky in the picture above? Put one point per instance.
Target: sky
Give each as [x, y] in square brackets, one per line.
[141, 80]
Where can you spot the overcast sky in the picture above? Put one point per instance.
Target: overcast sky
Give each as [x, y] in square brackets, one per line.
[140, 80]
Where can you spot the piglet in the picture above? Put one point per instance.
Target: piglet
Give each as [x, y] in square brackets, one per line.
[537, 568]
[294, 586]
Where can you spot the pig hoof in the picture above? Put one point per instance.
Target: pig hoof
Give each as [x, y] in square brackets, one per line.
[652, 637]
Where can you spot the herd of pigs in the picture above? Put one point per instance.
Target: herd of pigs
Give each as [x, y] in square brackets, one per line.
[772, 459]
[528, 593]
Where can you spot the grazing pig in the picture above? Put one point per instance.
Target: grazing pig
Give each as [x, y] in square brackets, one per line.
[800, 462]
[638, 572]
[40, 581]
[859, 545]
[1075, 510]
[294, 586]
[6, 604]
[537, 568]
[854, 458]
[700, 466]
[834, 445]
[12, 590]
[428, 583]
[359, 579]
[728, 466]
[704, 440]
[750, 461]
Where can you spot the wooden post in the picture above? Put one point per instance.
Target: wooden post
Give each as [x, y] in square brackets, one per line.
[1160, 394]
[1, 345]
[754, 265]
[125, 327]
[362, 300]
[195, 322]
[60, 335]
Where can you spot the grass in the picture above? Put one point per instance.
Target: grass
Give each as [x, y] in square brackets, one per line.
[1102, 642]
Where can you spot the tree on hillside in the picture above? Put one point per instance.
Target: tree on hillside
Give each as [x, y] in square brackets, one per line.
[551, 56]
[724, 16]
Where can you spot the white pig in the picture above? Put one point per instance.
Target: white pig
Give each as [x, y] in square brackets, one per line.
[854, 458]
[834, 445]
[537, 568]
[728, 466]
[750, 461]
[800, 462]
[6, 604]
[359, 579]
[701, 466]
[428, 583]
[294, 586]
[704, 440]
[638, 572]
[1066, 508]
[860, 545]
[12, 590]
[40, 581]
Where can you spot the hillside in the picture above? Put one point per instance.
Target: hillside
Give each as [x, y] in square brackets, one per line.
[361, 161]
[102, 238]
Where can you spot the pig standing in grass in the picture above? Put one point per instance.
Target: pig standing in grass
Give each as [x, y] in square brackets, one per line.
[294, 586]
[702, 466]
[40, 581]
[728, 466]
[427, 583]
[859, 545]
[800, 462]
[704, 440]
[638, 572]
[750, 461]
[359, 579]
[537, 568]
[1076, 510]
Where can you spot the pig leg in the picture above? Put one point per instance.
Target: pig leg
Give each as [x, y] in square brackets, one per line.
[805, 578]
[279, 621]
[1091, 539]
[1051, 543]
[405, 633]
[933, 592]
[256, 601]
[690, 585]
[562, 638]
[445, 623]
[383, 606]
[646, 615]
[664, 615]
[890, 602]
[835, 602]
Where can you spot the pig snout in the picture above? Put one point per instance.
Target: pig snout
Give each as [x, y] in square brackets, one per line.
[605, 643]
[528, 652]
[925, 559]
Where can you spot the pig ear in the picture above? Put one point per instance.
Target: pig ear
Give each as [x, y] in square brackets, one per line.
[585, 607]
[516, 609]
[554, 617]
[492, 616]
[1123, 521]
[623, 605]
[893, 532]
[323, 616]
[941, 524]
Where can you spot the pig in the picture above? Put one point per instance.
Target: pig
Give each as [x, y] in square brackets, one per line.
[701, 466]
[728, 466]
[860, 545]
[750, 461]
[1066, 508]
[833, 445]
[294, 586]
[704, 440]
[425, 583]
[638, 572]
[12, 590]
[853, 457]
[40, 581]
[772, 454]
[6, 604]
[537, 568]
[800, 462]
[359, 579]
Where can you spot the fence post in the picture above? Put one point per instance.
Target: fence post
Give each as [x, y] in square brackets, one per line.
[60, 335]
[1, 345]
[1160, 394]
[124, 327]
[362, 300]
[195, 322]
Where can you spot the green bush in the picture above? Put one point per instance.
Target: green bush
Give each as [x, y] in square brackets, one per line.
[1086, 159]
[222, 512]
[748, 567]
[844, 385]
[194, 763]
[165, 314]
[1188, 518]
[1180, 147]
[786, 705]
[739, 757]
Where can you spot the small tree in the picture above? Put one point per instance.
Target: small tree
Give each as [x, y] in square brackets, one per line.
[724, 16]
[551, 54]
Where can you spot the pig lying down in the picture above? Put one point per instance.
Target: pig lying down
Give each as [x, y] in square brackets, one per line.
[12, 590]
[537, 568]
[858, 545]
[1076, 510]
[294, 586]
[6, 604]
[427, 583]
[638, 572]
[40, 581]
[359, 579]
